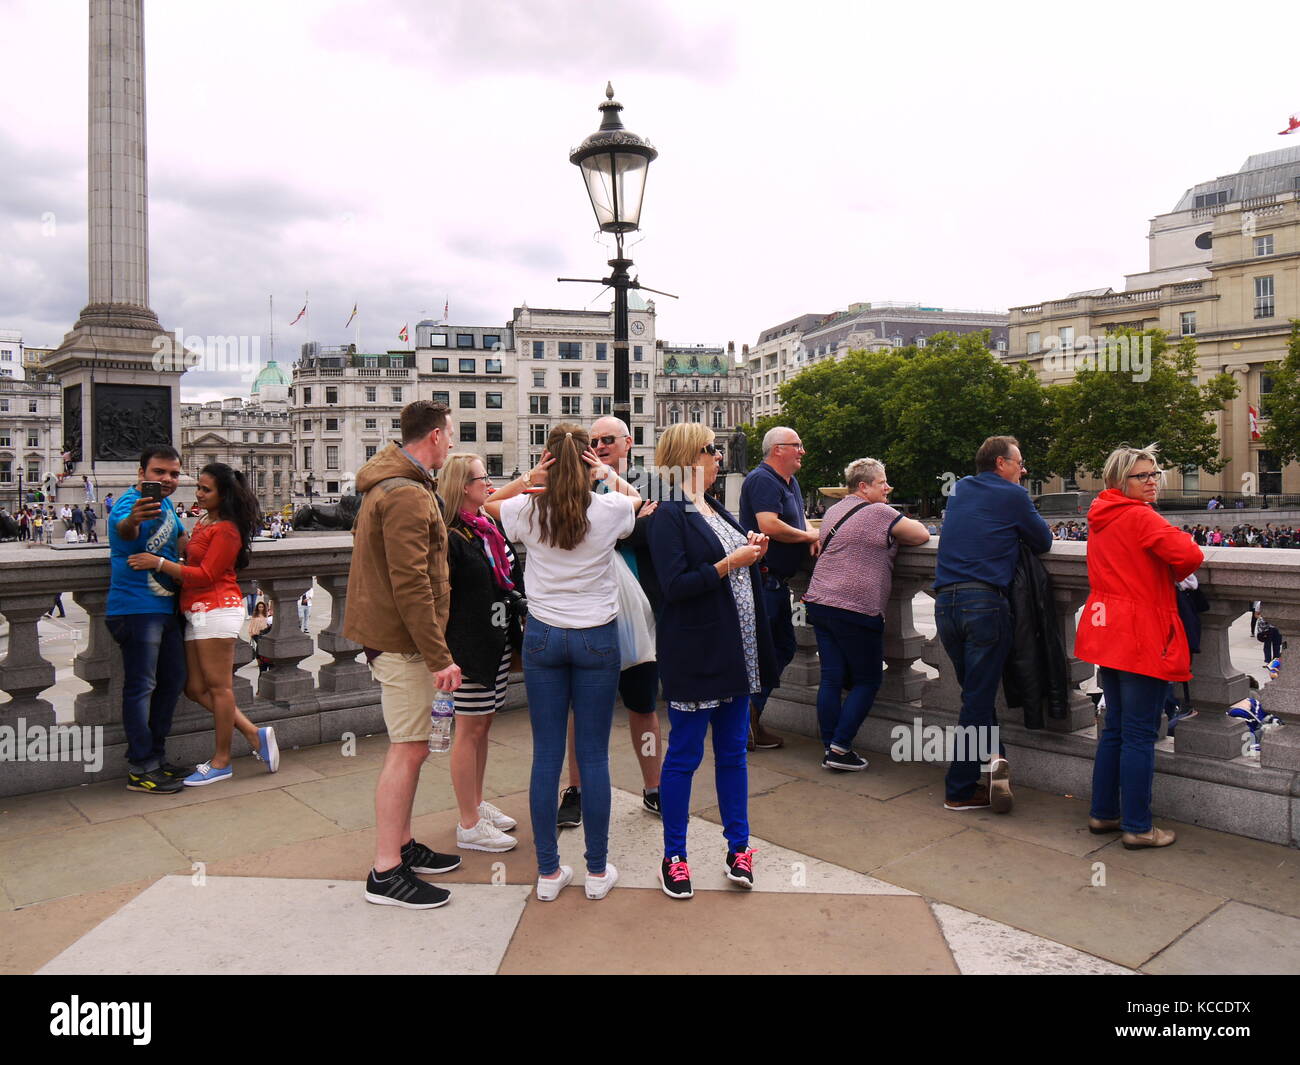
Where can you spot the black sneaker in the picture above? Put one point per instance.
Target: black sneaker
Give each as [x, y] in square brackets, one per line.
[420, 859]
[570, 815]
[155, 781]
[650, 800]
[849, 762]
[740, 867]
[401, 887]
[675, 878]
[176, 772]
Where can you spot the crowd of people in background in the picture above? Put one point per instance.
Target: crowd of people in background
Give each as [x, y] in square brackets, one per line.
[1070, 530]
[1245, 535]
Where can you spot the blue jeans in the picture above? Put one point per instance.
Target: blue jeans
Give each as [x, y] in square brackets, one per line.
[1126, 750]
[975, 630]
[685, 752]
[851, 649]
[564, 667]
[153, 667]
[780, 623]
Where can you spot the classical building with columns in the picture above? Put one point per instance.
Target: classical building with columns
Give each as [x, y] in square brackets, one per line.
[702, 384]
[1225, 269]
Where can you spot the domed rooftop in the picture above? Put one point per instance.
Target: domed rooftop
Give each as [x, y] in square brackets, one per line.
[271, 375]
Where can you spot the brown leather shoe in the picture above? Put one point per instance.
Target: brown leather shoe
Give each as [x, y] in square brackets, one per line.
[979, 800]
[760, 737]
[1157, 837]
[1100, 828]
[1000, 797]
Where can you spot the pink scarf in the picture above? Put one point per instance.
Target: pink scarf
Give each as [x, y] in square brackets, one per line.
[487, 529]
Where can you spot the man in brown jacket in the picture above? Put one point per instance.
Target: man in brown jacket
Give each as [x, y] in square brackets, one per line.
[398, 596]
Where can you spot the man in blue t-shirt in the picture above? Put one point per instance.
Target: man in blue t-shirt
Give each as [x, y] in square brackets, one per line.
[988, 517]
[771, 503]
[142, 617]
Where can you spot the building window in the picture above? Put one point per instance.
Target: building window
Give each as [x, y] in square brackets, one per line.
[1264, 245]
[638, 353]
[1263, 297]
[496, 466]
[638, 404]
[1212, 199]
[539, 349]
[397, 395]
[697, 415]
[306, 425]
[570, 378]
[1187, 323]
[491, 365]
[492, 341]
[1265, 388]
[495, 433]
[638, 435]
[441, 365]
[1066, 334]
[372, 424]
[372, 394]
[464, 340]
[539, 378]
[717, 417]
[31, 406]
[537, 434]
[897, 341]
[674, 414]
[493, 401]
[331, 487]
[4, 402]
[261, 481]
[468, 431]
[437, 340]
[332, 457]
[331, 425]
[920, 343]
[672, 384]
[468, 400]
[640, 380]
[717, 384]
[276, 461]
[695, 384]
[1270, 473]
[396, 423]
[6, 471]
[602, 405]
[1001, 345]
[1034, 342]
[5, 439]
[570, 349]
[306, 396]
[571, 405]
[33, 438]
[247, 437]
[602, 378]
[539, 404]
[601, 350]
[331, 395]
[469, 365]
[438, 397]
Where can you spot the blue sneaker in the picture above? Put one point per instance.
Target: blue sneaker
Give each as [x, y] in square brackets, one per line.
[205, 774]
[268, 750]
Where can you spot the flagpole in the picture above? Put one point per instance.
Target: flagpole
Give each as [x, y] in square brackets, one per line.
[271, 310]
[306, 302]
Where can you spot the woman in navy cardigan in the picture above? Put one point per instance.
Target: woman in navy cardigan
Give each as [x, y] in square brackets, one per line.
[713, 647]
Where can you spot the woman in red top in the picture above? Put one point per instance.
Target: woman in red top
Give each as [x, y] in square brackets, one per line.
[1130, 628]
[213, 607]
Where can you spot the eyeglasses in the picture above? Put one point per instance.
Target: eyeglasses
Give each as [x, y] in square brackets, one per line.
[710, 449]
[1149, 477]
[596, 441]
[794, 444]
[485, 477]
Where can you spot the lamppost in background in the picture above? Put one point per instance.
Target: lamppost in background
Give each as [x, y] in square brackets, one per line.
[310, 483]
[614, 162]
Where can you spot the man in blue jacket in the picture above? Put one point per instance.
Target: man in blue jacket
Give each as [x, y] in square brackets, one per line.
[988, 517]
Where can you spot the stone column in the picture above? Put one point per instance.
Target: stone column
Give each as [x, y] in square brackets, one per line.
[284, 642]
[1280, 747]
[903, 644]
[99, 665]
[24, 672]
[1216, 682]
[1080, 709]
[345, 673]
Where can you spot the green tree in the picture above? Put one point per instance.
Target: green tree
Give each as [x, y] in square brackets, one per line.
[1282, 407]
[1105, 407]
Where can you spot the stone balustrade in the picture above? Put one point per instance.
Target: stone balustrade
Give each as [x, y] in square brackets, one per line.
[1207, 778]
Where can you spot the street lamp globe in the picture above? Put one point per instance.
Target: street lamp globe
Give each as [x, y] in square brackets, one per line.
[614, 162]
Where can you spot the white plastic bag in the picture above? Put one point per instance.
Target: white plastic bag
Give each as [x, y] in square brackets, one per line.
[636, 621]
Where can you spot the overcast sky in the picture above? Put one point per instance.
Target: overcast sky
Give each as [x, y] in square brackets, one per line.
[403, 153]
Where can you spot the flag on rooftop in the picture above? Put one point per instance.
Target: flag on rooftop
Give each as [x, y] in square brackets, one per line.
[351, 316]
[403, 336]
[300, 314]
[1292, 124]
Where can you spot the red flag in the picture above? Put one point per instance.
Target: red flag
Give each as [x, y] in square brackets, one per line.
[300, 314]
[1254, 423]
[446, 310]
[403, 335]
[1292, 124]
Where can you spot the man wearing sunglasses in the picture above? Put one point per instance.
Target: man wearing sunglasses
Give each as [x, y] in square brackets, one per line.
[638, 686]
[771, 503]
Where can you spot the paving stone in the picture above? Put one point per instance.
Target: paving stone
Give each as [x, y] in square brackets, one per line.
[241, 824]
[349, 799]
[329, 759]
[6, 903]
[75, 861]
[31, 936]
[1265, 874]
[317, 926]
[30, 815]
[110, 801]
[1051, 894]
[1237, 940]
[990, 948]
[839, 827]
[645, 932]
[802, 757]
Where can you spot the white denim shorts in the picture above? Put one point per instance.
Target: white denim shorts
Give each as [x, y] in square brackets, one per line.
[221, 624]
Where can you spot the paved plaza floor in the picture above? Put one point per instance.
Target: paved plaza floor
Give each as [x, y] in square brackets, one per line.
[856, 873]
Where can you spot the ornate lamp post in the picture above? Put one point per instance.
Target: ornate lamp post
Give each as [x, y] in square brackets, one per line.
[614, 162]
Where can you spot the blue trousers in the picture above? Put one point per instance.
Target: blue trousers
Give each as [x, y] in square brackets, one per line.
[851, 649]
[780, 623]
[685, 752]
[563, 668]
[154, 673]
[975, 629]
[1125, 767]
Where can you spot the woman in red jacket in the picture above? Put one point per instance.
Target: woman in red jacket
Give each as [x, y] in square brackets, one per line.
[1130, 628]
[213, 607]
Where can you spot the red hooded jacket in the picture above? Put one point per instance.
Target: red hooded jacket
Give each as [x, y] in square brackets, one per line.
[1130, 621]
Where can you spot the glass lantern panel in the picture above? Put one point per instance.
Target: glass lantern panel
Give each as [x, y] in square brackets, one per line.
[616, 185]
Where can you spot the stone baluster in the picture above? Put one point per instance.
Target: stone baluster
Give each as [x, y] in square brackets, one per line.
[1280, 747]
[284, 643]
[345, 673]
[99, 665]
[903, 681]
[24, 672]
[1216, 684]
[1080, 711]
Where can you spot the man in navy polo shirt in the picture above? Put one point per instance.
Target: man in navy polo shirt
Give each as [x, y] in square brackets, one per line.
[988, 517]
[771, 503]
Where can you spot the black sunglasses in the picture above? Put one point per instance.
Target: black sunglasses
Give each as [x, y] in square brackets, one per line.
[710, 449]
[596, 441]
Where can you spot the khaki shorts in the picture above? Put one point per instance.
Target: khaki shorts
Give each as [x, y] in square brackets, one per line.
[406, 695]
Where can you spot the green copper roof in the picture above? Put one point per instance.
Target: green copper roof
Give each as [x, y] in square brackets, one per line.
[690, 364]
[271, 375]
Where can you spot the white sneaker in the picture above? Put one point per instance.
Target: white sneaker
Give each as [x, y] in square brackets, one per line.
[495, 817]
[549, 890]
[599, 886]
[483, 837]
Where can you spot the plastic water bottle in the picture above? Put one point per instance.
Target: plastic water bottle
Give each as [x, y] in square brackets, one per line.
[444, 709]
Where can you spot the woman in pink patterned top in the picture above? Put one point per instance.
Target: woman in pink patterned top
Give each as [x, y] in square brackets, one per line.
[846, 601]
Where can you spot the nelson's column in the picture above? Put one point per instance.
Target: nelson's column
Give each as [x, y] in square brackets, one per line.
[116, 399]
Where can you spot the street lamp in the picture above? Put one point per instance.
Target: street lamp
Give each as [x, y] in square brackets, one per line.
[614, 162]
